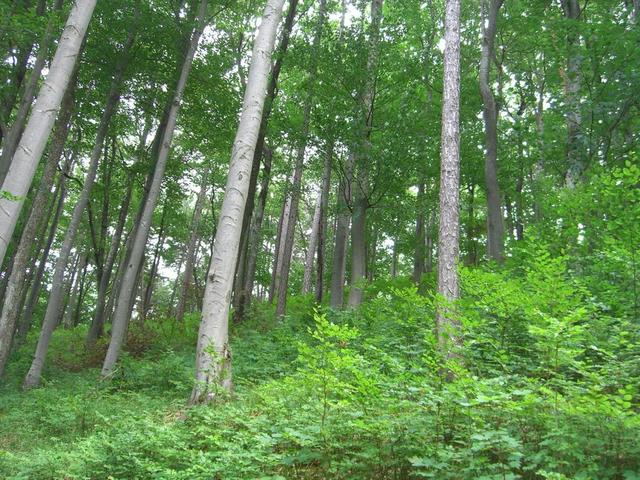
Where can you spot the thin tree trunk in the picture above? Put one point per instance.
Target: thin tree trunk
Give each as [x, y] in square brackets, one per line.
[34, 139]
[213, 358]
[80, 272]
[311, 249]
[123, 305]
[447, 325]
[194, 228]
[279, 248]
[27, 317]
[297, 174]
[324, 207]
[56, 295]
[495, 225]
[472, 253]
[148, 292]
[16, 281]
[97, 322]
[418, 256]
[255, 234]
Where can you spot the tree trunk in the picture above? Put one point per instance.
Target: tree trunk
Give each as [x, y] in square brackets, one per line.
[447, 325]
[495, 226]
[297, 174]
[324, 207]
[27, 317]
[16, 281]
[155, 263]
[10, 141]
[194, 228]
[311, 249]
[34, 139]
[361, 203]
[56, 295]
[255, 234]
[573, 80]
[80, 272]
[213, 358]
[123, 305]
[418, 258]
[472, 251]
[279, 248]
[358, 251]
[341, 236]
[97, 322]
[240, 292]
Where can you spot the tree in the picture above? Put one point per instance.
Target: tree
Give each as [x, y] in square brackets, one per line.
[447, 326]
[495, 226]
[213, 357]
[34, 139]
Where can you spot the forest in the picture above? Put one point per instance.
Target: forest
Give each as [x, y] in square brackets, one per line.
[320, 239]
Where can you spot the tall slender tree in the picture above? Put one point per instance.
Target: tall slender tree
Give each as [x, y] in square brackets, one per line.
[213, 357]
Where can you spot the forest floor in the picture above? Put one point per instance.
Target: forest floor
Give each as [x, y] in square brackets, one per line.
[320, 395]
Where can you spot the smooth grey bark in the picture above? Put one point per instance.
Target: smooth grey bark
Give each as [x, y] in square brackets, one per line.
[311, 247]
[16, 282]
[573, 81]
[34, 139]
[213, 357]
[12, 136]
[361, 202]
[56, 295]
[240, 300]
[123, 305]
[495, 224]
[190, 259]
[97, 322]
[393, 270]
[447, 325]
[300, 156]
[324, 207]
[343, 218]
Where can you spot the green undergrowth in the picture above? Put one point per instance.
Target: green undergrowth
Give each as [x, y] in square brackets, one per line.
[547, 387]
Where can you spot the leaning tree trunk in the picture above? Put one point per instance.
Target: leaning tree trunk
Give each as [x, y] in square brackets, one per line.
[10, 142]
[495, 225]
[56, 295]
[254, 235]
[16, 281]
[34, 139]
[123, 305]
[240, 299]
[97, 322]
[447, 326]
[74, 296]
[361, 202]
[155, 262]
[27, 317]
[297, 174]
[213, 359]
[191, 247]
